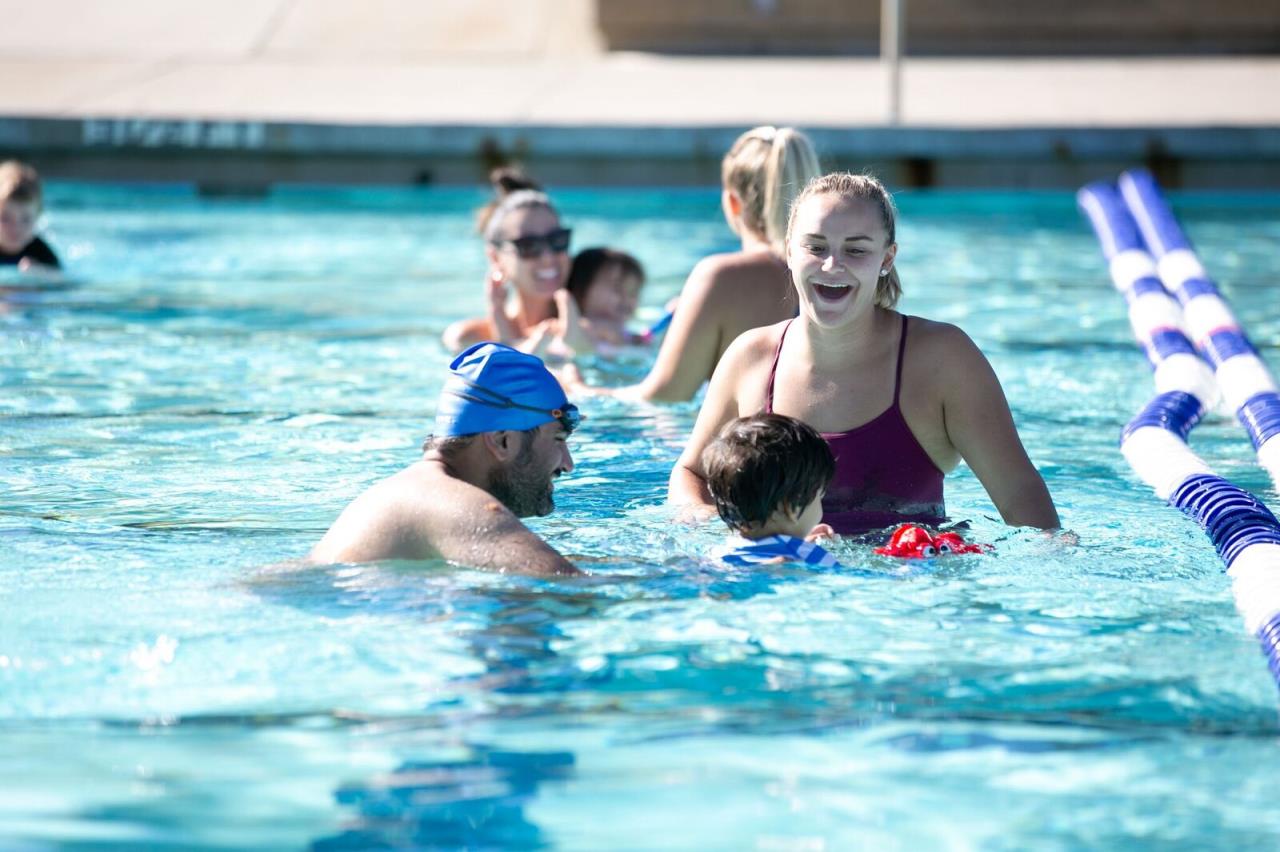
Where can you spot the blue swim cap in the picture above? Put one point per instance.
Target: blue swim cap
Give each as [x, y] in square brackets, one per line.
[492, 387]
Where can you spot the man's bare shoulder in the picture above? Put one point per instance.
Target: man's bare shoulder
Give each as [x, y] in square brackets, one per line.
[428, 498]
[423, 512]
[399, 517]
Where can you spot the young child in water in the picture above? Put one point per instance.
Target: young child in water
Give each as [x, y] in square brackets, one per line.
[605, 283]
[21, 199]
[600, 297]
[767, 474]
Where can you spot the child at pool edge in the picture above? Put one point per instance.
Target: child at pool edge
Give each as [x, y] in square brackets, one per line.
[21, 201]
[767, 474]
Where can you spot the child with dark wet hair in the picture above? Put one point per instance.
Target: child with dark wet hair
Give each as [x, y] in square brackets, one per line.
[606, 285]
[21, 202]
[767, 474]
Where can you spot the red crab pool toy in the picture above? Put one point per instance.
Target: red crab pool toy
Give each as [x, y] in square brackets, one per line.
[912, 542]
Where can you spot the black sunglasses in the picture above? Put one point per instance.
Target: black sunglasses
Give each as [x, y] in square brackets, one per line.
[568, 415]
[556, 242]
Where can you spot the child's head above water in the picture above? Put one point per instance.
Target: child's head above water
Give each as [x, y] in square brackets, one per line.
[767, 474]
[606, 284]
[21, 198]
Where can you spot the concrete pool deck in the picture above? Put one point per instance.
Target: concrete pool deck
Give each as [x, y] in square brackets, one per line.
[259, 93]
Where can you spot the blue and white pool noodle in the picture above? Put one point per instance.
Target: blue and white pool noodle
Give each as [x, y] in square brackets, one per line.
[660, 326]
[1243, 530]
[1248, 388]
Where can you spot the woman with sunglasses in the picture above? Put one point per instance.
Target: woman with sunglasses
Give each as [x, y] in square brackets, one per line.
[528, 253]
[727, 294]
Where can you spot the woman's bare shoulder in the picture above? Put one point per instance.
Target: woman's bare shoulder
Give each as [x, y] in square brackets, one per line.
[944, 357]
[718, 270]
[937, 338]
[747, 363]
[466, 332]
[740, 264]
[755, 343]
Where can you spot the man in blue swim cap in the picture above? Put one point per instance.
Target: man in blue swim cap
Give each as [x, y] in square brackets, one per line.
[498, 443]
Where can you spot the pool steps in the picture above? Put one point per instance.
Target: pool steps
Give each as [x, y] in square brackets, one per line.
[1243, 530]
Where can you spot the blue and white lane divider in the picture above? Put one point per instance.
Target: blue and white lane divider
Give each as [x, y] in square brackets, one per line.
[1243, 530]
[1185, 384]
[1248, 388]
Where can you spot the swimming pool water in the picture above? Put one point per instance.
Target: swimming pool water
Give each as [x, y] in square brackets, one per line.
[223, 376]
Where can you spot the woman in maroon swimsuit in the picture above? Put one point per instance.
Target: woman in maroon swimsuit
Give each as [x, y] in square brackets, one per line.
[899, 399]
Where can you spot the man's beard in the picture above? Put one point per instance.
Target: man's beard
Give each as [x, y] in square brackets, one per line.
[522, 488]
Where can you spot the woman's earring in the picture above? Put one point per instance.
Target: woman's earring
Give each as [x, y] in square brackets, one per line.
[884, 273]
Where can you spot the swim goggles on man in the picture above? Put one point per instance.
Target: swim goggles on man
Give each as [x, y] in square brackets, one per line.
[567, 415]
[556, 242]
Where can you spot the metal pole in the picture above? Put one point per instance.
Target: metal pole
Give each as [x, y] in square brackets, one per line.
[892, 15]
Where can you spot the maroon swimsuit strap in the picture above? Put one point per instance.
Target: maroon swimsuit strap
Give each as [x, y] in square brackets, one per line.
[773, 369]
[902, 349]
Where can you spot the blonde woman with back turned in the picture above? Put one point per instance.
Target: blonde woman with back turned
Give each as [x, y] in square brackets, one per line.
[727, 294]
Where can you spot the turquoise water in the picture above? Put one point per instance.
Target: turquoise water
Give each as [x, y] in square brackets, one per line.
[224, 376]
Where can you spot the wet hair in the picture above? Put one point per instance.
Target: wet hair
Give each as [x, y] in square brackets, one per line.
[766, 167]
[519, 200]
[865, 187]
[450, 446]
[589, 263]
[20, 182]
[505, 180]
[763, 463]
